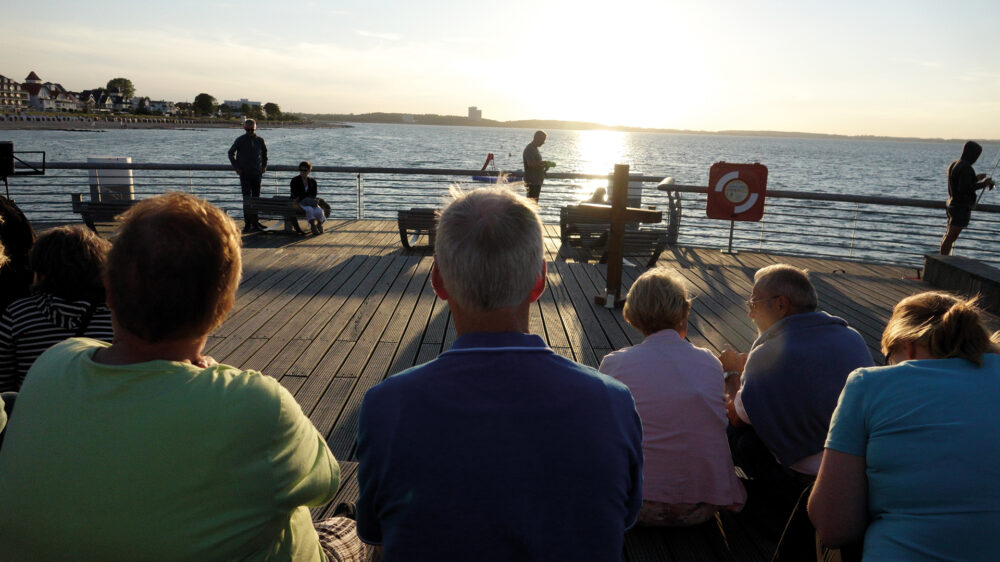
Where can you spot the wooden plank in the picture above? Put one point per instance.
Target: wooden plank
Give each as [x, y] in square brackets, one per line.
[404, 312]
[345, 433]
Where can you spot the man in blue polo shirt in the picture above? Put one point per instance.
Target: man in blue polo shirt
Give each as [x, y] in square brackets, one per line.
[499, 449]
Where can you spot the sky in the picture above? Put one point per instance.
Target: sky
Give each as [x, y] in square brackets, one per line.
[889, 68]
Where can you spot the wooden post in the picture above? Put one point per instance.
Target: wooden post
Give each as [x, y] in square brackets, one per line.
[617, 215]
[616, 238]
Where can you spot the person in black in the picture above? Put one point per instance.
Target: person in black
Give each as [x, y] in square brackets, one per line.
[248, 155]
[963, 182]
[304, 193]
[16, 240]
[534, 166]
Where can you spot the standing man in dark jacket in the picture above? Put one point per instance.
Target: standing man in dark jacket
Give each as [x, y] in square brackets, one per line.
[248, 155]
[963, 182]
[534, 166]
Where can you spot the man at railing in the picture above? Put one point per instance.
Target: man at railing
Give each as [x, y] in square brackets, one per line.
[963, 182]
[248, 155]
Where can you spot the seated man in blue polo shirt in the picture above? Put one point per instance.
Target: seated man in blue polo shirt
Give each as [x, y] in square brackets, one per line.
[499, 449]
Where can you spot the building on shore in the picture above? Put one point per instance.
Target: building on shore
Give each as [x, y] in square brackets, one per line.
[237, 105]
[48, 96]
[12, 96]
[475, 113]
[162, 106]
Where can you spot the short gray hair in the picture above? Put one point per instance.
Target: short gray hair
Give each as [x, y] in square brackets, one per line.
[489, 248]
[783, 280]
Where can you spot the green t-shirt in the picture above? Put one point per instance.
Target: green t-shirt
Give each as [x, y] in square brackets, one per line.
[158, 461]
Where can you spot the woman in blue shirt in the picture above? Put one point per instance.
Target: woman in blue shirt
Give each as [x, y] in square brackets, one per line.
[911, 457]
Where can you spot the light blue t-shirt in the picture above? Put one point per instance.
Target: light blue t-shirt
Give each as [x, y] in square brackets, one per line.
[929, 431]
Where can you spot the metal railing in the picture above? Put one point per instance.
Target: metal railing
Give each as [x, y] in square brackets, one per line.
[883, 229]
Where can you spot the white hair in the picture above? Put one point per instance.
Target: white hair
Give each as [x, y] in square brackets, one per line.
[489, 248]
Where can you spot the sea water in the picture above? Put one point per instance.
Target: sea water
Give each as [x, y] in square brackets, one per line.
[902, 168]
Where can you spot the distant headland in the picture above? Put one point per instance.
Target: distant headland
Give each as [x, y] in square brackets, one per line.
[461, 120]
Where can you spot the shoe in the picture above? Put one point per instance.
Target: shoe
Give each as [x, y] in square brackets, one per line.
[248, 228]
[345, 509]
[319, 225]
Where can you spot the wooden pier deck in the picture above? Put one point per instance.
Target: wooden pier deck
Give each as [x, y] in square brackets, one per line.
[330, 316]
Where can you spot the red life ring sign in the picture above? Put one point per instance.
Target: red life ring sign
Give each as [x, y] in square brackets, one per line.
[736, 191]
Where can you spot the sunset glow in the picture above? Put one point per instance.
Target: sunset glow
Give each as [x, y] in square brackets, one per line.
[849, 68]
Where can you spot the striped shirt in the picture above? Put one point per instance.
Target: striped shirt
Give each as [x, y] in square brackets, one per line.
[33, 324]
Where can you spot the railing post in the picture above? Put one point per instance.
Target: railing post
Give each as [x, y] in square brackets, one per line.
[854, 228]
[361, 200]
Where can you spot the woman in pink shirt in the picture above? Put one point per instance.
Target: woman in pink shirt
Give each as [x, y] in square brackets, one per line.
[688, 471]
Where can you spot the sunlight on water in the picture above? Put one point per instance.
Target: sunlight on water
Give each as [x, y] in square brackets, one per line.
[598, 152]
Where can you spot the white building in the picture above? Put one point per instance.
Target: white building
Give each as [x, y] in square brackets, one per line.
[475, 113]
[162, 106]
[237, 105]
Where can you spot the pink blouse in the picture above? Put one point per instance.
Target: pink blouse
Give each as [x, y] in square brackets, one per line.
[678, 391]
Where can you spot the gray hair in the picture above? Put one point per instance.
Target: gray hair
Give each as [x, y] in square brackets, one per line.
[790, 282]
[489, 248]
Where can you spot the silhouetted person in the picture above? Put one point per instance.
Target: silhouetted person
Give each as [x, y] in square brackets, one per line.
[534, 166]
[963, 182]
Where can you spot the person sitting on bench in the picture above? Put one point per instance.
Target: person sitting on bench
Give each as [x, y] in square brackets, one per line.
[304, 193]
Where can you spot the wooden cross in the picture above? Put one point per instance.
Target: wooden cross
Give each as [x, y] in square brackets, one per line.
[618, 213]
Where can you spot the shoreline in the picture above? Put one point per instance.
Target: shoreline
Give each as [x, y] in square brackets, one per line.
[79, 124]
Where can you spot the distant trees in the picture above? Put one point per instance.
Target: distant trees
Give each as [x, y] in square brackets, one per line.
[204, 104]
[123, 85]
[272, 110]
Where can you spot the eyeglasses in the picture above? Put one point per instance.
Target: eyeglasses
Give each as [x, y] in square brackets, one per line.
[752, 303]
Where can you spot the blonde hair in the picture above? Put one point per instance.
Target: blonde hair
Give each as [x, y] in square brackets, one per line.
[658, 300]
[947, 325]
[173, 270]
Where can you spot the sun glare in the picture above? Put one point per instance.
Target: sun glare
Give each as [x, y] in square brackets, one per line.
[599, 151]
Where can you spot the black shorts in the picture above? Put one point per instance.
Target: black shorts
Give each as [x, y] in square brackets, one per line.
[959, 216]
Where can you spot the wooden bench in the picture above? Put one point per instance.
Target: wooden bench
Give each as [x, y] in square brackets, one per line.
[284, 208]
[588, 237]
[965, 276]
[644, 246]
[94, 212]
[414, 222]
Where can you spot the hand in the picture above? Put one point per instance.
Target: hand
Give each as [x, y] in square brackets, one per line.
[205, 361]
[733, 360]
[734, 418]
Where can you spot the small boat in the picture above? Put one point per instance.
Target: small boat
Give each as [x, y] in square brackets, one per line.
[495, 176]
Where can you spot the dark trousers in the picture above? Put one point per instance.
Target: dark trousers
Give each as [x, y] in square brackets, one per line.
[8, 408]
[776, 496]
[534, 191]
[250, 185]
